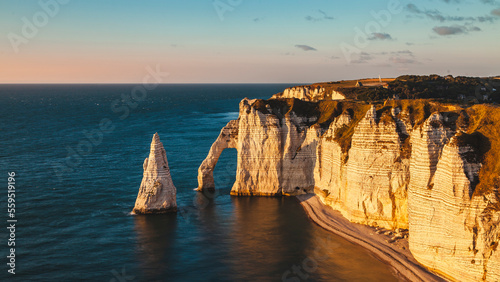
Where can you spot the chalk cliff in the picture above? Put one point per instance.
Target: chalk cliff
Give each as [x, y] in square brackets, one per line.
[310, 93]
[417, 164]
[157, 193]
[454, 222]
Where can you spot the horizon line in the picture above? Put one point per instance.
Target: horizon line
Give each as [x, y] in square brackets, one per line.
[174, 83]
[136, 83]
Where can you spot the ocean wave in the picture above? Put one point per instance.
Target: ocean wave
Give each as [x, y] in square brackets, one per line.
[228, 115]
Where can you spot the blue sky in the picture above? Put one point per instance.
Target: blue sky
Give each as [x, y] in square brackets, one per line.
[233, 41]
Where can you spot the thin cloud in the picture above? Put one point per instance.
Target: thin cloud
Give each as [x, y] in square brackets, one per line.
[402, 61]
[436, 15]
[385, 58]
[380, 36]
[324, 16]
[306, 48]
[413, 9]
[403, 52]
[449, 30]
[489, 2]
[453, 30]
[362, 58]
[496, 12]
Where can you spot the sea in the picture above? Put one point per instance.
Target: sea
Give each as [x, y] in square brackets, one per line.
[77, 153]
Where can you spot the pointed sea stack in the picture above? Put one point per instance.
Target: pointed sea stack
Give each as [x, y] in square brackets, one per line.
[157, 193]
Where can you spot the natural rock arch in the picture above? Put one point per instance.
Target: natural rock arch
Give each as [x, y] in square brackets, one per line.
[228, 138]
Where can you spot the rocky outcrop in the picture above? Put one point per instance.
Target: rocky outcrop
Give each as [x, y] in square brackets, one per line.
[404, 164]
[310, 93]
[157, 193]
[228, 138]
[274, 155]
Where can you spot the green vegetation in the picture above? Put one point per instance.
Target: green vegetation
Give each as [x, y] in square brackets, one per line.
[466, 89]
[366, 93]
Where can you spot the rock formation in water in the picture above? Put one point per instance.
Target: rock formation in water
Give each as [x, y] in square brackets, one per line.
[228, 138]
[417, 164]
[157, 193]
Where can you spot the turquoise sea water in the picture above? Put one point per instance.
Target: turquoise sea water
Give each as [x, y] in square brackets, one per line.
[75, 189]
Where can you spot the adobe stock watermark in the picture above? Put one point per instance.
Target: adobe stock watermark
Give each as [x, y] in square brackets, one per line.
[31, 26]
[11, 222]
[381, 19]
[224, 6]
[121, 276]
[121, 107]
[309, 265]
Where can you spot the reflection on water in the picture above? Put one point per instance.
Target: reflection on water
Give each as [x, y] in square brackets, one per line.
[156, 235]
[261, 248]
[248, 239]
[340, 260]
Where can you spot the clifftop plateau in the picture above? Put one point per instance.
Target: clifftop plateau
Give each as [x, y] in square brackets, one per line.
[458, 89]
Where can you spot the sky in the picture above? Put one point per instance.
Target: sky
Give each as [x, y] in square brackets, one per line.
[245, 41]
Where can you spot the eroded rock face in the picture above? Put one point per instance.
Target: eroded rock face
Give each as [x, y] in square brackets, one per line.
[451, 231]
[157, 193]
[275, 155]
[228, 138]
[276, 152]
[310, 93]
[382, 167]
[370, 187]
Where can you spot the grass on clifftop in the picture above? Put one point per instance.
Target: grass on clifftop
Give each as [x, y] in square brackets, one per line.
[485, 120]
[420, 110]
[459, 89]
[343, 136]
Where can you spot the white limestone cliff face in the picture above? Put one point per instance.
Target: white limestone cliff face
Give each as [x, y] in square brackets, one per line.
[451, 231]
[276, 153]
[310, 93]
[394, 174]
[157, 193]
[274, 156]
[370, 188]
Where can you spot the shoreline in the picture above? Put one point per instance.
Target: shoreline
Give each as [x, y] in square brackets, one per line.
[396, 254]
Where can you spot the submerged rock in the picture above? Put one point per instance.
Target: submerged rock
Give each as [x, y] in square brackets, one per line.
[157, 193]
